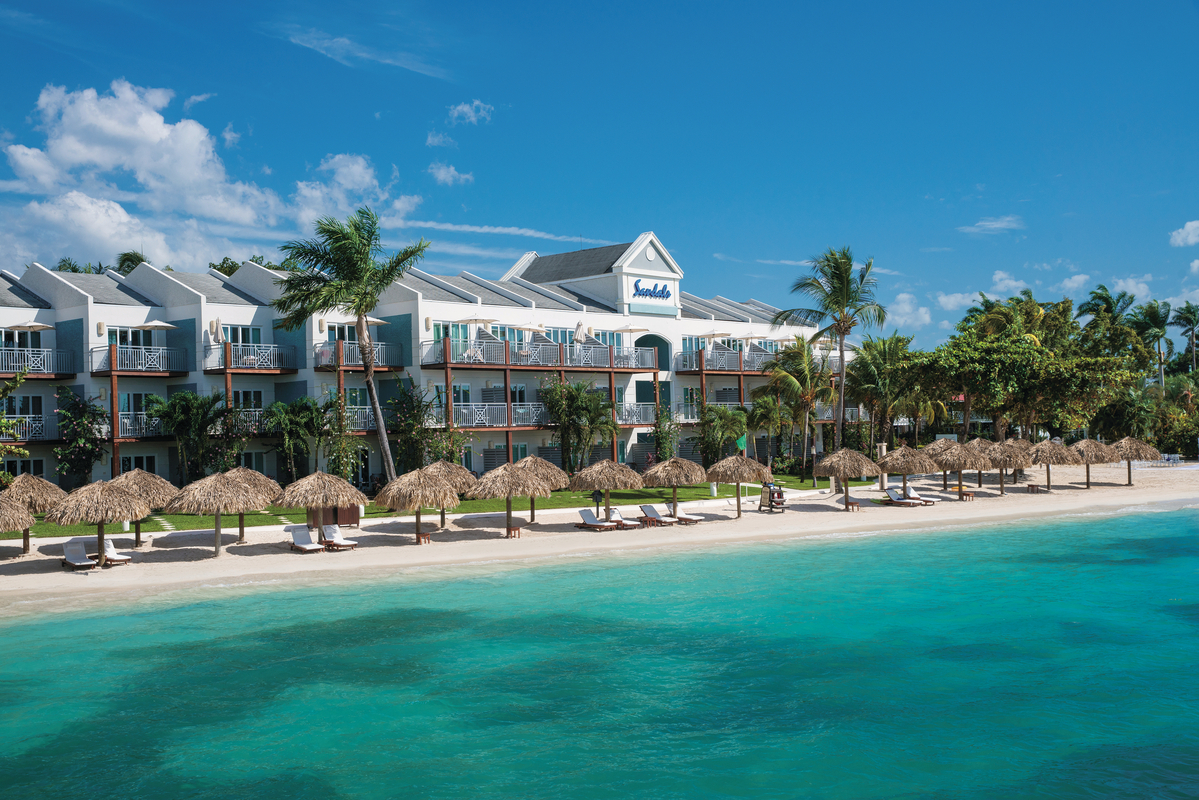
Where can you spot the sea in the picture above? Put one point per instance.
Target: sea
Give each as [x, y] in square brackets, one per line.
[1049, 659]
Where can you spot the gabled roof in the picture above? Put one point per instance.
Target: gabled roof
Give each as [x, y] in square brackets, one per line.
[13, 295]
[214, 289]
[105, 290]
[576, 264]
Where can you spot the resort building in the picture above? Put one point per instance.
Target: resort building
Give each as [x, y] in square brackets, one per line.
[616, 317]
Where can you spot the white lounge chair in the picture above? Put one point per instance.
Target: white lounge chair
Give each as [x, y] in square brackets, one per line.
[301, 539]
[896, 499]
[112, 556]
[74, 555]
[652, 514]
[334, 539]
[622, 523]
[914, 495]
[591, 523]
[687, 519]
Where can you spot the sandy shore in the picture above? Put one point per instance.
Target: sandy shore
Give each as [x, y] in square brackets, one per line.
[36, 583]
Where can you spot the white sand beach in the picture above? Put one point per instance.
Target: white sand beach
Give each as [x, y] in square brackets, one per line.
[168, 562]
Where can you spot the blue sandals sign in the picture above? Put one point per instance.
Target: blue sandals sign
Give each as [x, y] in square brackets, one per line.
[656, 293]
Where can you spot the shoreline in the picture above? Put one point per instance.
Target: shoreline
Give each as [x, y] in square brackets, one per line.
[180, 563]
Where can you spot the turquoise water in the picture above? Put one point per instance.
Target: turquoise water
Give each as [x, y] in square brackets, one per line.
[1055, 661]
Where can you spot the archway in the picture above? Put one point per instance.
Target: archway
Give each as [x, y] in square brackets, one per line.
[661, 345]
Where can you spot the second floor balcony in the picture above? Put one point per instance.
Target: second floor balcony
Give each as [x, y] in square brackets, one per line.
[498, 353]
[32, 428]
[36, 361]
[326, 354]
[136, 424]
[139, 359]
[266, 357]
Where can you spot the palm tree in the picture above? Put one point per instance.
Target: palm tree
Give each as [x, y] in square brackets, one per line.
[1102, 300]
[192, 419]
[1151, 321]
[764, 415]
[577, 415]
[877, 377]
[1186, 317]
[720, 425]
[128, 261]
[339, 270]
[843, 297]
[294, 424]
[801, 380]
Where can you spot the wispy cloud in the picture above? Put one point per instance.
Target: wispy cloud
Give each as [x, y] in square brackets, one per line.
[501, 230]
[230, 136]
[435, 139]
[953, 302]
[347, 52]
[885, 271]
[723, 257]
[196, 98]
[1003, 282]
[993, 225]
[1072, 284]
[472, 250]
[906, 312]
[446, 175]
[783, 262]
[1195, 267]
[1186, 235]
[470, 113]
[936, 249]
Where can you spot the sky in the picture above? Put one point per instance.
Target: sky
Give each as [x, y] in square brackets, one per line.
[963, 147]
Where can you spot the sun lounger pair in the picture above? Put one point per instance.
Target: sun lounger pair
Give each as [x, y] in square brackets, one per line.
[928, 501]
[664, 519]
[75, 555]
[592, 523]
[301, 539]
[334, 540]
[894, 498]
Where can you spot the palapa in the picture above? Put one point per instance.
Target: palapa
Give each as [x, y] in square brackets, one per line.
[268, 489]
[217, 494]
[320, 490]
[1049, 453]
[605, 476]
[35, 494]
[96, 504]
[420, 488]
[983, 446]
[739, 469]
[15, 517]
[1007, 456]
[675, 472]
[157, 491]
[937, 446]
[508, 481]
[457, 476]
[548, 472]
[1131, 450]
[844, 464]
[905, 461]
[960, 458]
[1093, 452]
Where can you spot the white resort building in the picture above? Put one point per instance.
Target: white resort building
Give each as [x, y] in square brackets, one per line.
[615, 317]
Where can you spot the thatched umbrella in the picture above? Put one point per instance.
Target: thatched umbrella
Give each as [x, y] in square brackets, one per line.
[15, 517]
[36, 494]
[1093, 452]
[546, 471]
[156, 490]
[844, 464]
[959, 458]
[932, 449]
[905, 461]
[420, 488]
[1131, 450]
[268, 489]
[983, 446]
[675, 472]
[1008, 456]
[96, 504]
[739, 469]
[1049, 453]
[605, 475]
[457, 476]
[320, 490]
[508, 481]
[217, 494]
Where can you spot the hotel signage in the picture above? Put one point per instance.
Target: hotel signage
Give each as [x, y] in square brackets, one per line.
[657, 293]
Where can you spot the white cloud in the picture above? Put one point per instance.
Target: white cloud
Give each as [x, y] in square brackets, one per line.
[952, 302]
[944, 324]
[1195, 267]
[723, 257]
[1133, 284]
[231, 138]
[435, 139]
[905, 312]
[1186, 235]
[1072, 284]
[399, 221]
[993, 225]
[347, 52]
[882, 271]
[470, 113]
[446, 175]
[473, 250]
[1002, 282]
[196, 98]
[783, 262]
[351, 182]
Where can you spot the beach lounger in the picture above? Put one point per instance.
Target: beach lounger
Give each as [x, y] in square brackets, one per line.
[622, 523]
[592, 524]
[895, 499]
[74, 555]
[111, 556]
[687, 519]
[301, 539]
[928, 501]
[334, 539]
[652, 514]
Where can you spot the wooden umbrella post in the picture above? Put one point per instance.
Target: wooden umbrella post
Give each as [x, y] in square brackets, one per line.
[25, 542]
[1088, 476]
[944, 481]
[508, 531]
[137, 533]
[738, 501]
[1129, 472]
[675, 501]
[100, 543]
[418, 525]
[1048, 479]
[607, 506]
[1001, 491]
[532, 509]
[443, 516]
[961, 489]
[241, 528]
[980, 479]
[217, 535]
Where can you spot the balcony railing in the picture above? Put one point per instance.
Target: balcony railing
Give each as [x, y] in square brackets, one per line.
[250, 356]
[529, 415]
[33, 428]
[535, 354]
[386, 355]
[635, 357]
[134, 424]
[36, 361]
[141, 359]
[480, 415]
[689, 412]
[359, 418]
[635, 413]
[752, 362]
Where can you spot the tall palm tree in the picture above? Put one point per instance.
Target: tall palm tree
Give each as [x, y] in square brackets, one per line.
[764, 415]
[842, 297]
[720, 425]
[192, 419]
[1151, 321]
[878, 378]
[801, 379]
[339, 269]
[294, 424]
[1186, 317]
[1101, 299]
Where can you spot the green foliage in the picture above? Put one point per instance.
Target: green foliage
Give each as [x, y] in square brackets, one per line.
[128, 261]
[194, 420]
[81, 427]
[800, 378]
[66, 264]
[226, 266]
[666, 433]
[577, 416]
[878, 378]
[343, 450]
[718, 426]
[418, 442]
[293, 425]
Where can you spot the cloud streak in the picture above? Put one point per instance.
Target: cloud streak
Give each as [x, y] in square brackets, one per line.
[446, 175]
[195, 99]
[347, 52]
[398, 221]
[989, 226]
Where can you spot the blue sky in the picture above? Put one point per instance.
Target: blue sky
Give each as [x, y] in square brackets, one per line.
[964, 147]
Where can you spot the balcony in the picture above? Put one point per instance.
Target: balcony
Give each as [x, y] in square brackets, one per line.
[533, 354]
[529, 415]
[33, 428]
[137, 424]
[713, 361]
[480, 415]
[273, 357]
[140, 359]
[359, 418]
[386, 355]
[36, 361]
[635, 413]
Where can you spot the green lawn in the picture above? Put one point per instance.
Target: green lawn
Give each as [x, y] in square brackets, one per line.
[792, 482]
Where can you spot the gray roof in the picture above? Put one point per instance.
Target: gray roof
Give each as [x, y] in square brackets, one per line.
[588, 303]
[106, 290]
[541, 300]
[488, 296]
[430, 291]
[576, 264]
[13, 295]
[215, 290]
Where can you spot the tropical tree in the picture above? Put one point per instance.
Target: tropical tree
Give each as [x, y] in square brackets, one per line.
[128, 261]
[1151, 321]
[1186, 317]
[766, 414]
[577, 416]
[68, 264]
[878, 378]
[1101, 300]
[343, 450]
[193, 420]
[340, 269]
[800, 379]
[718, 426]
[294, 424]
[81, 428]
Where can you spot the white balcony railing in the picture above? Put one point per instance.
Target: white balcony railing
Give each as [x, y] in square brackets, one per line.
[250, 356]
[141, 359]
[635, 413]
[33, 428]
[528, 415]
[134, 424]
[359, 418]
[535, 354]
[37, 361]
[386, 355]
[586, 355]
[480, 415]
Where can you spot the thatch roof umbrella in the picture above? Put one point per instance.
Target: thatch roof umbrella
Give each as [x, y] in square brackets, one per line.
[457, 476]
[217, 494]
[156, 490]
[844, 464]
[1050, 452]
[1093, 452]
[548, 472]
[1131, 450]
[939, 446]
[508, 481]
[268, 489]
[96, 504]
[605, 476]
[959, 458]
[420, 488]
[36, 494]
[1008, 456]
[675, 472]
[983, 446]
[739, 469]
[320, 490]
[15, 517]
[905, 461]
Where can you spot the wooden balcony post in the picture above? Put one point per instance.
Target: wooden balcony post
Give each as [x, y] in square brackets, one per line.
[339, 359]
[228, 376]
[508, 444]
[116, 417]
[508, 400]
[612, 399]
[703, 379]
[562, 357]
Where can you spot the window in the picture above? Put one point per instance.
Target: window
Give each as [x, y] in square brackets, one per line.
[733, 344]
[127, 337]
[25, 466]
[468, 458]
[768, 345]
[518, 393]
[461, 393]
[342, 333]
[620, 451]
[692, 343]
[23, 339]
[457, 331]
[147, 463]
[559, 335]
[361, 475]
[247, 399]
[610, 337]
[519, 451]
[691, 395]
[620, 394]
[357, 398]
[23, 406]
[254, 461]
[132, 402]
[507, 334]
[242, 334]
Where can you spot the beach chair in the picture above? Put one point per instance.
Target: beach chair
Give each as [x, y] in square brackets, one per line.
[301, 539]
[621, 523]
[334, 540]
[895, 499]
[74, 555]
[928, 501]
[591, 523]
[687, 519]
[111, 556]
[652, 514]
